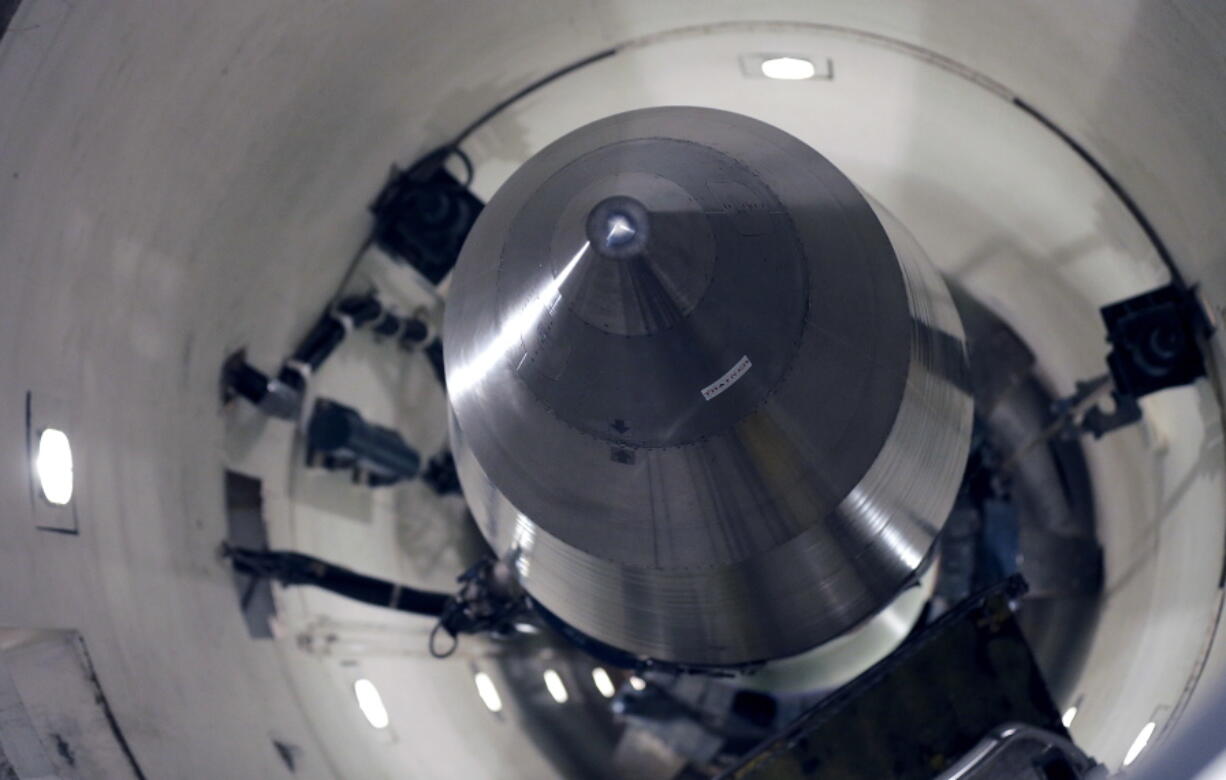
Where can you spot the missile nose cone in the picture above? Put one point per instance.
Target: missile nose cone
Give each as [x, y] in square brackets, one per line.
[701, 396]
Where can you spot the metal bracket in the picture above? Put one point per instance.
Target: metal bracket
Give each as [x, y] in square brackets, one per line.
[1155, 342]
[423, 214]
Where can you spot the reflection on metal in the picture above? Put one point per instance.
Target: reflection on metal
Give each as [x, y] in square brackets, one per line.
[839, 661]
[1026, 753]
[759, 522]
[928, 703]
[1023, 507]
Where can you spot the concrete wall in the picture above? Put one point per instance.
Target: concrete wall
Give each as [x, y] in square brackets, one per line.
[180, 179]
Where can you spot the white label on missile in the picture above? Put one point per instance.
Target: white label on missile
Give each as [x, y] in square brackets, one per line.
[727, 380]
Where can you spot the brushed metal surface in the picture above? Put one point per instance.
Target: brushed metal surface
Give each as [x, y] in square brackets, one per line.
[710, 399]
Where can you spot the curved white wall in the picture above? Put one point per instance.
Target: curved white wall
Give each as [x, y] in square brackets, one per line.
[179, 181]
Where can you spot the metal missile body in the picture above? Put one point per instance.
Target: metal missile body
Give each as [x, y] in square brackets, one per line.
[708, 399]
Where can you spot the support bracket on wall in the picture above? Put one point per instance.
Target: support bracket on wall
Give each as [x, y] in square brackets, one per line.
[1155, 342]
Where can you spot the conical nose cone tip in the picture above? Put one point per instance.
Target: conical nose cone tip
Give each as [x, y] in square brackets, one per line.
[618, 227]
[620, 230]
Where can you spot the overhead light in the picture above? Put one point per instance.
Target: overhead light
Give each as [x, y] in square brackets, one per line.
[557, 688]
[1067, 717]
[638, 683]
[53, 462]
[788, 68]
[488, 692]
[371, 703]
[604, 683]
[1139, 743]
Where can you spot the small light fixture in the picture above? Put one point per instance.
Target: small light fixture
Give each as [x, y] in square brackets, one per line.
[604, 683]
[557, 688]
[488, 692]
[1067, 717]
[1139, 743]
[53, 463]
[788, 68]
[371, 703]
[638, 683]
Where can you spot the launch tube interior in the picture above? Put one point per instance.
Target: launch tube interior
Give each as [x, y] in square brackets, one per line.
[187, 195]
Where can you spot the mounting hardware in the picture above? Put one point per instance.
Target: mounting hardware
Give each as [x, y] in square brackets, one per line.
[440, 474]
[1155, 344]
[423, 215]
[1154, 338]
[339, 439]
[489, 601]
[239, 379]
[283, 395]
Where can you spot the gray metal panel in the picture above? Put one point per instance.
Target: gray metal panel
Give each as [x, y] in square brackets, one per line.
[736, 441]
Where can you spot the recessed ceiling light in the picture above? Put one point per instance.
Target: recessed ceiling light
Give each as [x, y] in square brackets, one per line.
[1139, 743]
[488, 691]
[1067, 718]
[371, 703]
[53, 463]
[604, 683]
[638, 683]
[788, 68]
[557, 688]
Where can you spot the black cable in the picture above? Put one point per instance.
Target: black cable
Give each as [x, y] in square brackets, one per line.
[1125, 197]
[291, 568]
[534, 86]
[432, 644]
[469, 171]
[440, 155]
